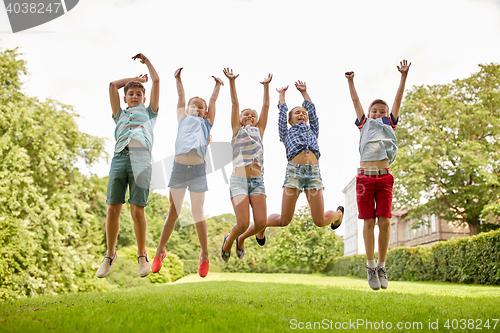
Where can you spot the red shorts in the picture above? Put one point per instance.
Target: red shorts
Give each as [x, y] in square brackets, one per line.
[374, 196]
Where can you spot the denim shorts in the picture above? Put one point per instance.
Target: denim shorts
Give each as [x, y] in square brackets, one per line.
[303, 177]
[239, 185]
[190, 176]
[133, 169]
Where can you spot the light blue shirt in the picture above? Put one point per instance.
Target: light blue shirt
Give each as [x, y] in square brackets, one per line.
[377, 139]
[192, 133]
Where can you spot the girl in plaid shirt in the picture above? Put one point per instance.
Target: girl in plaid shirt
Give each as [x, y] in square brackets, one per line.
[302, 171]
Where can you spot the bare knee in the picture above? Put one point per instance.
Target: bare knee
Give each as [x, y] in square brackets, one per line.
[137, 212]
[114, 210]
[369, 224]
[284, 222]
[383, 223]
[242, 226]
[197, 214]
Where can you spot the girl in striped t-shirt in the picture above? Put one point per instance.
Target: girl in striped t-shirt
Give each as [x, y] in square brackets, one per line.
[246, 184]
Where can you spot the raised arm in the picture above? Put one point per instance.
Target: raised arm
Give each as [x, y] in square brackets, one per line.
[262, 123]
[403, 69]
[282, 91]
[213, 99]
[301, 86]
[114, 86]
[181, 100]
[354, 95]
[282, 121]
[155, 90]
[235, 116]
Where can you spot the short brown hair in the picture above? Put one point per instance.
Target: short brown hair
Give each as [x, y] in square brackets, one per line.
[206, 107]
[378, 101]
[131, 84]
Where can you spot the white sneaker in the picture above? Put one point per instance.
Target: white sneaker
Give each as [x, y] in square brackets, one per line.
[105, 266]
[373, 279]
[144, 267]
[382, 276]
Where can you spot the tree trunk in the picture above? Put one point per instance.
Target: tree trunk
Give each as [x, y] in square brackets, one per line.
[473, 228]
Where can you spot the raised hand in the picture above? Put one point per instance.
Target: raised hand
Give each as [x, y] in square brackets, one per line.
[140, 56]
[282, 90]
[404, 67]
[229, 74]
[349, 75]
[218, 81]
[177, 73]
[142, 78]
[301, 86]
[268, 79]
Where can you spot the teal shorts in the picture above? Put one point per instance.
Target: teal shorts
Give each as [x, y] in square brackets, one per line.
[133, 169]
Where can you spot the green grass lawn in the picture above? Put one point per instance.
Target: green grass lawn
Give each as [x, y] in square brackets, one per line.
[232, 302]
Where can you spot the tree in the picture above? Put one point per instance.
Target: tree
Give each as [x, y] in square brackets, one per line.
[302, 244]
[449, 145]
[48, 238]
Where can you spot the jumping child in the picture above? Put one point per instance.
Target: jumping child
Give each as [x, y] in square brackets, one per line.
[247, 183]
[131, 164]
[194, 125]
[378, 148]
[302, 171]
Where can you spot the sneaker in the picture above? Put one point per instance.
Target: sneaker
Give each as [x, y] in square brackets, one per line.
[382, 276]
[373, 279]
[203, 268]
[157, 262]
[223, 254]
[240, 253]
[144, 267]
[333, 226]
[105, 266]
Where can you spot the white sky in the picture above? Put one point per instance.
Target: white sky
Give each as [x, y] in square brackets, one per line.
[73, 58]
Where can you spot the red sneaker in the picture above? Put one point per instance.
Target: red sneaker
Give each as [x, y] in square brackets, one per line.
[203, 269]
[157, 263]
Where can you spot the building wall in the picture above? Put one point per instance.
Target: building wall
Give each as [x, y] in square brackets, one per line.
[431, 231]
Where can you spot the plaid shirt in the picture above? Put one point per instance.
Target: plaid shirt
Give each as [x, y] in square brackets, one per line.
[300, 136]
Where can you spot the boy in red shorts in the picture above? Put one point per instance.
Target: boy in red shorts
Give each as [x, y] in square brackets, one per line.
[378, 148]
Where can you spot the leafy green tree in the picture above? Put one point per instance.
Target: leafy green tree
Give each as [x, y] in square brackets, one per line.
[449, 145]
[48, 237]
[302, 244]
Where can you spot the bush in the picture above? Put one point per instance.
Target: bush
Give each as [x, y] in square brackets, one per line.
[473, 259]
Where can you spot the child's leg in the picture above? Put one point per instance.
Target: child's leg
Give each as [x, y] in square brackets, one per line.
[112, 227]
[383, 237]
[316, 203]
[259, 208]
[242, 213]
[176, 198]
[140, 227]
[369, 238]
[197, 201]
[290, 196]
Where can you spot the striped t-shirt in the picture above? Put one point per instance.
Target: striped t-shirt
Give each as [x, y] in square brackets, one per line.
[247, 147]
[135, 123]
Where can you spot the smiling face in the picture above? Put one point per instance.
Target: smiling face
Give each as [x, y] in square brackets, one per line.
[378, 109]
[248, 117]
[196, 107]
[297, 115]
[134, 96]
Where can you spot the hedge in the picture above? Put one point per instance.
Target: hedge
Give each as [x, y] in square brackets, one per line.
[474, 259]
